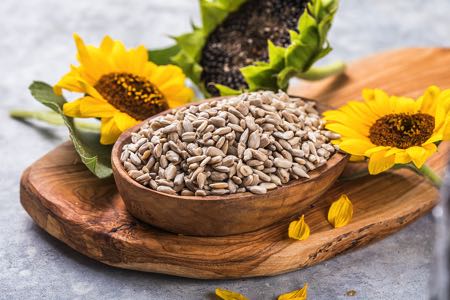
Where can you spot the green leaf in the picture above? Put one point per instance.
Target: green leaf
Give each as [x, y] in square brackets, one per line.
[284, 76]
[192, 43]
[190, 67]
[276, 55]
[95, 156]
[163, 56]
[260, 77]
[226, 91]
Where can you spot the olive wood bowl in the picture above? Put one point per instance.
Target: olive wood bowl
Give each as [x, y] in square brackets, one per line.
[221, 215]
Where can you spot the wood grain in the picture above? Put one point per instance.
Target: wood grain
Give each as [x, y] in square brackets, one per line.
[220, 215]
[88, 214]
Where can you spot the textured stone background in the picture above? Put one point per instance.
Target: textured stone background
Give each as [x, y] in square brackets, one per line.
[36, 43]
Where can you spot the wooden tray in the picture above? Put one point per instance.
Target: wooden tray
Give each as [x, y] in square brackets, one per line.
[87, 214]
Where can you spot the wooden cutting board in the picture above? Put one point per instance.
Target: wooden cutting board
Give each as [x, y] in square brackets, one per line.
[87, 214]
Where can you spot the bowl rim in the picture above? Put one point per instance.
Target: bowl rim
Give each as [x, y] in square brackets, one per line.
[118, 168]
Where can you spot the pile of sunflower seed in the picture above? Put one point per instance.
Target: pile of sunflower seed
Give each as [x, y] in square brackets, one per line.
[253, 142]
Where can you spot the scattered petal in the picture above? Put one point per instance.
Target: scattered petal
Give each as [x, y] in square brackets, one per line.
[301, 294]
[229, 295]
[299, 230]
[341, 212]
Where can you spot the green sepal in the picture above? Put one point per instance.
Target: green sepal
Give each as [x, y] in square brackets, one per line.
[188, 57]
[95, 156]
[227, 91]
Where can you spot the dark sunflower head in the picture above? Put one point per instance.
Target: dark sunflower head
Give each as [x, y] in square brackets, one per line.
[252, 44]
[241, 40]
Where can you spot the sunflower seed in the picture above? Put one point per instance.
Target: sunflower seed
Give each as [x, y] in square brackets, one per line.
[200, 193]
[219, 185]
[213, 151]
[257, 189]
[254, 140]
[135, 174]
[268, 185]
[282, 163]
[169, 128]
[299, 171]
[219, 192]
[245, 170]
[170, 172]
[135, 159]
[201, 179]
[166, 189]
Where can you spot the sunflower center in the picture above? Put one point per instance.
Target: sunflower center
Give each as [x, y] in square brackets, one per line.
[402, 130]
[131, 94]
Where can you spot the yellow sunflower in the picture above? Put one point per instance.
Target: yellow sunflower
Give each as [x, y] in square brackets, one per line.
[392, 130]
[120, 86]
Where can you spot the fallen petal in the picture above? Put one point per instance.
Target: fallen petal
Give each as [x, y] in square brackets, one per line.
[301, 294]
[341, 212]
[229, 295]
[299, 230]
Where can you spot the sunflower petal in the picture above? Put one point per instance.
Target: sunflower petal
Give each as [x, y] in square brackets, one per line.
[356, 146]
[402, 157]
[96, 108]
[344, 130]
[442, 109]
[107, 45]
[428, 101]
[124, 121]
[340, 212]
[393, 151]
[404, 105]
[109, 131]
[72, 109]
[445, 131]
[70, 81]
[299, 230]
[301, 294]
[376, 149]
[181, 97]
[354, 158]
[418, 155]
[436, 137]
[229, 295]
[379, 163]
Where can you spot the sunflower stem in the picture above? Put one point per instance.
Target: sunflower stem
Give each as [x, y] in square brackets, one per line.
[317, 73]
[428, 173]
[51, 118]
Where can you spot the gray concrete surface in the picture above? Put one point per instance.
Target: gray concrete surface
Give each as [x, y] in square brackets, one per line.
[36, 43]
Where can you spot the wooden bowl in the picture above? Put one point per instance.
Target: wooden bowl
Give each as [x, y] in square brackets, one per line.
[220, 215]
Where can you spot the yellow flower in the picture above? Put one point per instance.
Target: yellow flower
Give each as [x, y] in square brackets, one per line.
[340, 212]
[301, 294]
[299, 230]
[392, 130]
[229, 295]
[120, 86]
